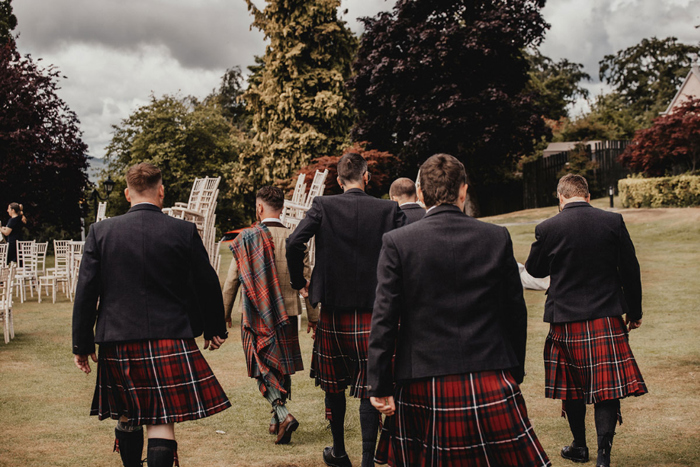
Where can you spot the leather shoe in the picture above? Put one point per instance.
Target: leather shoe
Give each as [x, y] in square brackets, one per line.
[284, 434]
[330, 459]
[274, 428]
[574, 453]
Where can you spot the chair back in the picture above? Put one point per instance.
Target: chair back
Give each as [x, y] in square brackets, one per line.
[101, 212]
[61, 253]
[6, 277]
[3, 253]
[27, 256]
[40, 249]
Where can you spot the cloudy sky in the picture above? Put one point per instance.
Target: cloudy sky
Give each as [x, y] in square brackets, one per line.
[116, 53]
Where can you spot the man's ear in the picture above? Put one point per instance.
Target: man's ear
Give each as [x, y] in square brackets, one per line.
[463, 193]
[419, 192]
[126, 194]
[161, 192]
[340, 183]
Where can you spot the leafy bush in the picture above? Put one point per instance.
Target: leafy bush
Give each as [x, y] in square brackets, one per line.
[680, 191]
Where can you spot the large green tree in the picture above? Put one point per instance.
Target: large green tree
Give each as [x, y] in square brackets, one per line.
[297, 98]
[8, 21]
[43, 160]
[450, 76]
[648, 75]
[187, 139]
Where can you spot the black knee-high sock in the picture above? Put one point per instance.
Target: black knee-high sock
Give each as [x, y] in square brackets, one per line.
[161, 452]
[576, 415]
[335, 403]
[369, 423]
[605, 421]
[129, 443]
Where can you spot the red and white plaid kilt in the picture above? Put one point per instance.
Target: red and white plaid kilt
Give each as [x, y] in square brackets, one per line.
[475, 419]
[340, 351]
[156, 382]
[591, 360]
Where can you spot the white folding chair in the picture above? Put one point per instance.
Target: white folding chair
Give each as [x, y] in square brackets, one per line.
[26, 274]
[6, 280]
[4, 247]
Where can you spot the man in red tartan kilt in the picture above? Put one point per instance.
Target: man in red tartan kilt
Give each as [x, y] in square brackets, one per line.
[270, 307]
[146, 278]
[450, 305]
[348, 230]
[595, 280]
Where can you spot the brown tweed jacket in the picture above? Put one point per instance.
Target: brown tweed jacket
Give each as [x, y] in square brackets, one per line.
[292, 302]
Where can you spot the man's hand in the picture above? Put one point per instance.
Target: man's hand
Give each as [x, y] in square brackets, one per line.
[305, 291]
[229, 321]
[312, 327]
[385, 405]
[214, 344]
[633, 324]
[82, 362]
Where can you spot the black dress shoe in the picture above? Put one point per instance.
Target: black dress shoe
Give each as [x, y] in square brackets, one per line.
[330, 459]
[574, 453]
[284, 433]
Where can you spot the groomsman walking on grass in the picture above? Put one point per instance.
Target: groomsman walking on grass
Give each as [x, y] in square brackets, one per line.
[595, 280]
[403, 191]
[146, 278]
[348, 230]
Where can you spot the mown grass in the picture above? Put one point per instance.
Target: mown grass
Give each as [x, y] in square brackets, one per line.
[44, 399]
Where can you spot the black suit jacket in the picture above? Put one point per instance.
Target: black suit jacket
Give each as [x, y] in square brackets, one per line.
[414, 212]
[153, 279]
[348, 230]
[592, 263]
[454, 285]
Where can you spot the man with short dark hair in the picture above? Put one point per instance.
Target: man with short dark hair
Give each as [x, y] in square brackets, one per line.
[594, 280]
[147, 279]
[271, 308]
[450, 307]
[403, 191]
[348, 230]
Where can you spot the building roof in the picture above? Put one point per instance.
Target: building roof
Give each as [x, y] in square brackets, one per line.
[689, 88]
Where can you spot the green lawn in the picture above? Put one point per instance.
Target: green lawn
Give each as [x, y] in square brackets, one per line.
[44, 399]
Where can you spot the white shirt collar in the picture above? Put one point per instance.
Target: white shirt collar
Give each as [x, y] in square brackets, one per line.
[272, 219]
[410, 202]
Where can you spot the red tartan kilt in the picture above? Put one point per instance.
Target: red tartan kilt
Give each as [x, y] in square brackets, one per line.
[340, 351]
[156, 382]
[591, 360]
[474, 419]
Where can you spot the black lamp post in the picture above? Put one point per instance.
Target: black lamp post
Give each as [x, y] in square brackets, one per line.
[109, 186]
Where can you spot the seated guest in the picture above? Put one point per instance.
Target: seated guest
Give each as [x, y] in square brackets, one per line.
[403, 191]
[453, 283]
[271, 308]
[146, 278]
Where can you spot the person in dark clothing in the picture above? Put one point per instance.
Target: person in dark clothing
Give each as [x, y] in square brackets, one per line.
[348, 229]
[595, 280]
[146, 278]
[13, 230]
[403, 191]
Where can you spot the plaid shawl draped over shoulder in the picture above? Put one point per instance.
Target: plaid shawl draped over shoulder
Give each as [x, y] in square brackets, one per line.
[264, 315]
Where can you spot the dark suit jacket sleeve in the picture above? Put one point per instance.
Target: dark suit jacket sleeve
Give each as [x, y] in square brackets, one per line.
[400, 218]
[208, 290]
[86, 297]
[296, 244]
[537, 264]
[630, 275]
[514, 319]
[385, 320]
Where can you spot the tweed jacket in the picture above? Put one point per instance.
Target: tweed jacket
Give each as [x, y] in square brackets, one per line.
[414, 212]
[292, 302]
[590, 258]
[348, 229]
[453, 284]
[152, 279]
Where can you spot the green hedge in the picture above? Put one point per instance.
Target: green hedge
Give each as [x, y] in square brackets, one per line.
[681, 191]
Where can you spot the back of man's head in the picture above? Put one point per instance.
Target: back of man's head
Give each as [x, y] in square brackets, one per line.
[272, 197]
[573, 186]
[351, 167]
[403, 189]
[143, 179]
[441, 177]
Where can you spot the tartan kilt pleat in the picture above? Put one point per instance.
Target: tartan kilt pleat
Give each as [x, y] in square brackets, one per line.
[591, 360]
[474, 419]
[156, 382]
[339, 357]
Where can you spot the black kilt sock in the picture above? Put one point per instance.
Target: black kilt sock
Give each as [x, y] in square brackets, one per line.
[605, 421]
[161, 452]
[369, 423]
[335, 403]
[129, 444]
[576, 415]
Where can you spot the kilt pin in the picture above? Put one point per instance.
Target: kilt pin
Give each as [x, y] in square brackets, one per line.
[156, 382]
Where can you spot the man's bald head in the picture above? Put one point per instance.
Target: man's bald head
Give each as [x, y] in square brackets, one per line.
[403, 190]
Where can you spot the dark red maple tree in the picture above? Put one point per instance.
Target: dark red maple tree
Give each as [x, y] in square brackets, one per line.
[43, 160]
[671, 144]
